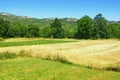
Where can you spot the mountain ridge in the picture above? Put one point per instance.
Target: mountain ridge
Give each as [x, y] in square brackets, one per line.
[69, 23]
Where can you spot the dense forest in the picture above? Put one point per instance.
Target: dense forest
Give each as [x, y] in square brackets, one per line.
[83, 28]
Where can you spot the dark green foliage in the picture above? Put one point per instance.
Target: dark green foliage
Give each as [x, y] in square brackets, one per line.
[4, 28]
[85, 28]
[114, 30]
[101, 29]
[45, 32]
[97, 28]
[18, 29]
[57, 30]
[69, 33]
[7, 55]
[32, 31]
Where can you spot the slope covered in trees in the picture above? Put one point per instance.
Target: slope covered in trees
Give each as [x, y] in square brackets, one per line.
[83, 28]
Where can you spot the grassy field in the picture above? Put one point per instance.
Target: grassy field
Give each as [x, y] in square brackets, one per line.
[36, 69]
[31, 41]
[97, 59]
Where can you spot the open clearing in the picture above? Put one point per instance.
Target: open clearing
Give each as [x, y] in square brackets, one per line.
[98, 54]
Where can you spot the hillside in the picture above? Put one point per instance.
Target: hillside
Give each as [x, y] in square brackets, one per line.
[69, 23]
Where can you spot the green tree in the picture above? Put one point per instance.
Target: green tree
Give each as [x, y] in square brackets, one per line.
[85, 25]
[101, 29]
[18, 29]
[4, 28]
[45, 32]
[114, 29]
[69, 33]
[32, 31]
[57, 30]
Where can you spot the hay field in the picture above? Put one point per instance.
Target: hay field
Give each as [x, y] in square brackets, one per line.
[95, 53]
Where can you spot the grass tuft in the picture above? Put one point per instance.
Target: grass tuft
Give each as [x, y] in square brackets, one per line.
[115, 68]
[1, 39]
[56, 58]
[7, 55]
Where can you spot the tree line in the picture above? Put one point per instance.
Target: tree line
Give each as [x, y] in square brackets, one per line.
[87, 28]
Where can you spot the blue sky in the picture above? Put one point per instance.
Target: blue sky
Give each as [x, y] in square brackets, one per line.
[62, 8]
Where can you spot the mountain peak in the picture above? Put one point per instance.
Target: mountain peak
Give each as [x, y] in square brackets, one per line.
[5, 13]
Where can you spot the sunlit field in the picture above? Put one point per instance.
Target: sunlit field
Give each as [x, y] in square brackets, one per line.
[95, 57]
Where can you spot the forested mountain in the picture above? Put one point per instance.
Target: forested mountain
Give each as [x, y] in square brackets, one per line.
[69, 23]
[84, 28]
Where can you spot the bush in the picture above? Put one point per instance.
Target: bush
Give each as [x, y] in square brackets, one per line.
[24, 53]
[113, 68]
[56, 58]
[1, 39]
[7, 55]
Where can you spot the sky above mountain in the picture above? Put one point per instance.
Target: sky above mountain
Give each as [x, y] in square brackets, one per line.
[62, 8]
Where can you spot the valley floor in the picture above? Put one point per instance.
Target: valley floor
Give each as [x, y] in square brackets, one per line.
[95, 54]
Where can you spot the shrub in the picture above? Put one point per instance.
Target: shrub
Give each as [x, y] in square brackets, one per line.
[113, 68]
[56, 58]
[1, 39]
[7, 55]
[23, 53]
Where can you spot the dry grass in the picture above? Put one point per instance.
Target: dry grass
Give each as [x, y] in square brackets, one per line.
[21, 39]
[99, 54]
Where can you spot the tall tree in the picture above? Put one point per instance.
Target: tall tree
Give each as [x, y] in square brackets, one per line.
[101, 29]
[85, 25]
[57, 31]
[4, 28]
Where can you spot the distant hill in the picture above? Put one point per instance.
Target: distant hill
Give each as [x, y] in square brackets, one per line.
[69, 23]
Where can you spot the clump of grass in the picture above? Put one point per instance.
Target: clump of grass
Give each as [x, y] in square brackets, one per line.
[23, 53]
[7, 55]
[113, 68]
[1, 39]
[56, 58]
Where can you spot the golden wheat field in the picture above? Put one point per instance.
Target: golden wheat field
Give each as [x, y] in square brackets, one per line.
[95, 53]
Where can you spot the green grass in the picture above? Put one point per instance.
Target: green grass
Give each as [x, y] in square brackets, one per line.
[37, 69]
[7, 55]
[34, 42]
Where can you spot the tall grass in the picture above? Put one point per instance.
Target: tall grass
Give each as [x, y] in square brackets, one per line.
[7, 55]
[56, 58]
[50, 57]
